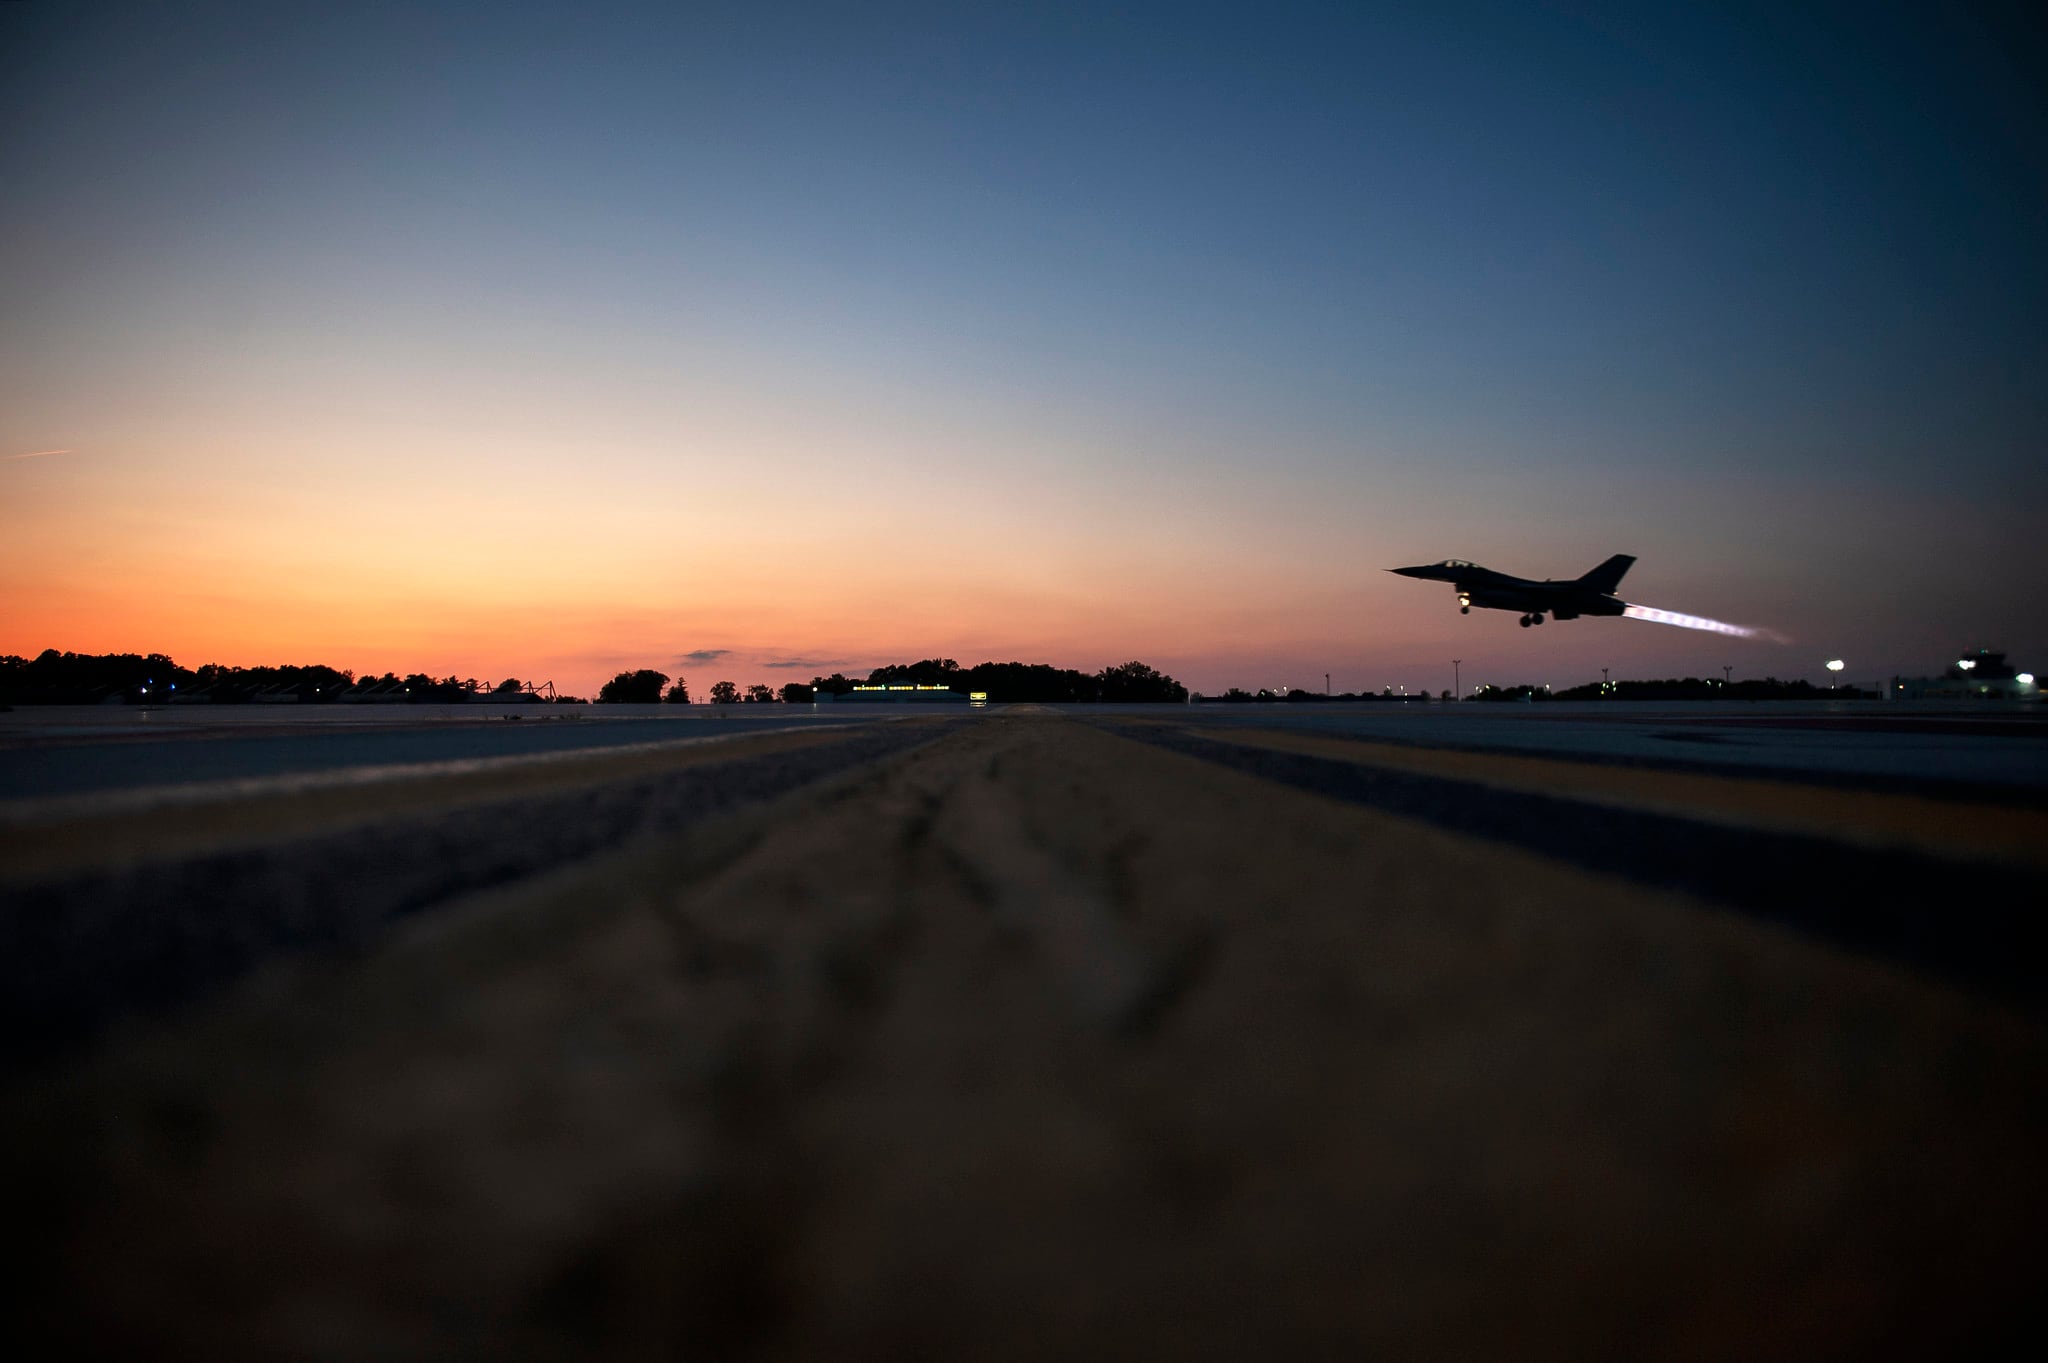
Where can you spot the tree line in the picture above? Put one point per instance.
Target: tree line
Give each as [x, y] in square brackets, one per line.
[53, 678]
[646, 686]
[1699, 688]
[1001, 682]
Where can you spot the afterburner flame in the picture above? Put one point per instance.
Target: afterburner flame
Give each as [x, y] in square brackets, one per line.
[1655, 616]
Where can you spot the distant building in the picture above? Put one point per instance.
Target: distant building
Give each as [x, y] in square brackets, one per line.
[1982, 675]
[872, 693]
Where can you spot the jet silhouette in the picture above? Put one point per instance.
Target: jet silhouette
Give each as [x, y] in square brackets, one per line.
[1592, 594]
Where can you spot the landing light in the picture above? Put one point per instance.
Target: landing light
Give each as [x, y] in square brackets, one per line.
[2025, 679]
[1966, 663]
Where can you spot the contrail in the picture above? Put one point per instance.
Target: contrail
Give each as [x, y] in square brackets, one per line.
[32, 454]
[1656, 616]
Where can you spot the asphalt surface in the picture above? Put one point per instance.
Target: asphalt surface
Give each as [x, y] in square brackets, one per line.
[1012, 1034]
[1892, 902]
[42, 757]
[82, 951]
[50, 751]
[1868, 743]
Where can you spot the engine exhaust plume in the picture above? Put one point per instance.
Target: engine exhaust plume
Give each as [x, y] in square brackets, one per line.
[1655, 616]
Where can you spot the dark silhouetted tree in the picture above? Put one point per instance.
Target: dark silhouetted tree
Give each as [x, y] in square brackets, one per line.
[1038, 683]
[679, 694]
[758, 694]
[796, 693]
[633, 688]
[930, 672]
[724, 693]
[1135, 682]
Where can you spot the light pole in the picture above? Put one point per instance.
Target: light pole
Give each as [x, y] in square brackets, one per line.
[1835, 666]
[1603, 683]
[1457, 682]
[1728, 674]
[1326, 683]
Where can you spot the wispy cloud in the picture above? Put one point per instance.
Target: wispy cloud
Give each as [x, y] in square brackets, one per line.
[32, 454]
[806, 664]
[704, 655]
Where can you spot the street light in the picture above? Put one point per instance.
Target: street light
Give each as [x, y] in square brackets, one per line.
[1835, 666]
[1457, 683]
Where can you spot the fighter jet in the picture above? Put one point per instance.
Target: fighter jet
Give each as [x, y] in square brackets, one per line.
[1592, 594]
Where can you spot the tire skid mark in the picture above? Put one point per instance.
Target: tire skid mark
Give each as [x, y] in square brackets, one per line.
[78, 954]
[1061, 908]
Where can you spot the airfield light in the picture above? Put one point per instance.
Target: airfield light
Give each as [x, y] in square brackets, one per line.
[1966, 663]
[2025, 679]
[1836, 665]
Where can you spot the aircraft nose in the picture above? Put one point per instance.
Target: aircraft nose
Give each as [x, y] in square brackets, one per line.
[1419, 571]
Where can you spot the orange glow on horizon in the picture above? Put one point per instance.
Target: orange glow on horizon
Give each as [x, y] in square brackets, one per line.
[487, 561]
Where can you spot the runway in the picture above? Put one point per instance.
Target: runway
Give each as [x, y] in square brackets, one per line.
[55, 751]
[51, 751]
[1177, 1031]
[1846, 743]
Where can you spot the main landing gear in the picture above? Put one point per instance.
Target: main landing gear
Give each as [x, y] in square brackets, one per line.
[1529, 620]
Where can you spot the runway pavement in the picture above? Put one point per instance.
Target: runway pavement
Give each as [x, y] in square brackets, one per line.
[1837, 743]
[1170, 1032]
[76, 751]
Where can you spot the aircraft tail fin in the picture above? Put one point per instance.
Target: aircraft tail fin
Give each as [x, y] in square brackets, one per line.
[1607, 576]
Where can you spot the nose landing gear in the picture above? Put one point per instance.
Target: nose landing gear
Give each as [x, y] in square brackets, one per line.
[1529, 620]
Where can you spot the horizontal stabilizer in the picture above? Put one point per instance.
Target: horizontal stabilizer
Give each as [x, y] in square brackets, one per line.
[1607, 576]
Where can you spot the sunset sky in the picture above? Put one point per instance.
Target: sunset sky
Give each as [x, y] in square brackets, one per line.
[753, 341]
